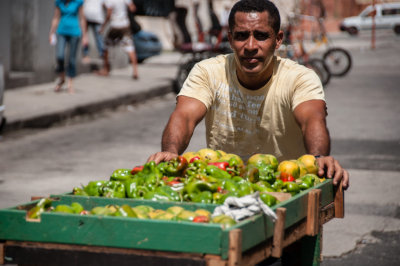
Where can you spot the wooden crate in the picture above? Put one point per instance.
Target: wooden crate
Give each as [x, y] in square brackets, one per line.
[246, 243]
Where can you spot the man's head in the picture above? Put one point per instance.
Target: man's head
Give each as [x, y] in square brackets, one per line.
[248, 6]
[254, 36]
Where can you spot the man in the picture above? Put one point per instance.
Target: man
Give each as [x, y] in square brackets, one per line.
[253, 101]
[119, 32]
[94, 14]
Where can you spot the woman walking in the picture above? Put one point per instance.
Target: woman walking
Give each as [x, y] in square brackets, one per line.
[67, 28]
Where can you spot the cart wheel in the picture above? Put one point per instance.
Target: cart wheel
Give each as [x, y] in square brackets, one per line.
[320, 69]
[338, 61]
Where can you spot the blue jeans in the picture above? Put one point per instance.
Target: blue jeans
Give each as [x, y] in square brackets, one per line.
[98, 38]
[73, 43]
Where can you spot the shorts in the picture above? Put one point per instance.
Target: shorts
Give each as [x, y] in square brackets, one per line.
[120, 36]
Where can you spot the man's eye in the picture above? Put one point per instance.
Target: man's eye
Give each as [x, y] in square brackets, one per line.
[261, 36]
[240, 36]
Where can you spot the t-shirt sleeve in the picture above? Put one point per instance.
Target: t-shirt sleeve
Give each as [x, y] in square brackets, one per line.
[197, 85]
[308, 86]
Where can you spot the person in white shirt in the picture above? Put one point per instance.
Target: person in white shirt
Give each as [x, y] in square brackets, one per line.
[119, 32]
[93, 11]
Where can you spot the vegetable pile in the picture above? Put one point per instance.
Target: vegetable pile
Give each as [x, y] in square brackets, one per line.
[173, 213]
[208, 176]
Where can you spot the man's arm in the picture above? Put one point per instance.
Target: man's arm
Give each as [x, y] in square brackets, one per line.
[54, 23]
[83, 23]
[179, 129]
[107, 19]
[132, 7]
[311, 116]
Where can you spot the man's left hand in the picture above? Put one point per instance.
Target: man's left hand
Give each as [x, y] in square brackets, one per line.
[331, 167]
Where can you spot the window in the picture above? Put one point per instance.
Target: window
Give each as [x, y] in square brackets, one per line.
[390, 11]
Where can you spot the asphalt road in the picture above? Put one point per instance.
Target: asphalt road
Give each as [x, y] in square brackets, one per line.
[363, 121]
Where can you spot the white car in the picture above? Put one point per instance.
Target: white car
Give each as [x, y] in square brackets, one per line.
[387, 17]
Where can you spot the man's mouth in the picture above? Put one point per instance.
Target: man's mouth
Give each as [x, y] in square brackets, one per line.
[250, 60]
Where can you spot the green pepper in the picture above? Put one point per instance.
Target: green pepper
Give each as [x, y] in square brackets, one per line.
[150, 175]
[277, 185]
[194, 168]
[121, 175]
[268, 199]
[125, 211]
[266, 173]
[103, 211]
[93, 188]
[221, 198]
[78, 191]
[216, 172]
[252, 173]
[245, 189]
[176, 166]
[199, 186]
[164, 193]
[134, 188]
[64, 209]
[202, 197]
[291, 187]
[113, 189]
[41, 206]
[230, 185]
[77, 207]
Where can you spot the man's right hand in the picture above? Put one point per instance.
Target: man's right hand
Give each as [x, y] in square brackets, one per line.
[162, 156]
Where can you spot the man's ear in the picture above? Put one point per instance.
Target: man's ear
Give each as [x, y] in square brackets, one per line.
[279, 39]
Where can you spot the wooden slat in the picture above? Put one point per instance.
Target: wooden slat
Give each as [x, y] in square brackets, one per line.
[339, 201]
[279, 233]
[215, 260]
[313, 212]
[235, 247]
[1, 253]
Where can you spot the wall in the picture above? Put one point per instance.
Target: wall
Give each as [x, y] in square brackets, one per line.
[25, 52]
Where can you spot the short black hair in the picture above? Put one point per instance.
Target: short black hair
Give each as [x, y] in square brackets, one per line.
[248, 6]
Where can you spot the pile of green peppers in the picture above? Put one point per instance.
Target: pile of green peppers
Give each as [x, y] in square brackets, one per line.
[197, 181]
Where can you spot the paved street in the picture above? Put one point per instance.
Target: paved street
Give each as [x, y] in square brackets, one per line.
[363, 121]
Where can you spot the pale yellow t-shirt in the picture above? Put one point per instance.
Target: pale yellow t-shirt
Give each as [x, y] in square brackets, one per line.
[246, 122]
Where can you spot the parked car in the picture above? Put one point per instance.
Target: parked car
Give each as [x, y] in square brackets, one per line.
[147, 45]
[387, 16]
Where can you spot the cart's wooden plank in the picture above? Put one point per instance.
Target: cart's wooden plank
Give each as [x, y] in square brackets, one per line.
[339, 201]
[279, 232]
[112, 231]
[313, 212]
[235, 247]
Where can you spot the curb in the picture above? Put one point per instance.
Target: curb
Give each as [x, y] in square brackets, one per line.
[47, 120]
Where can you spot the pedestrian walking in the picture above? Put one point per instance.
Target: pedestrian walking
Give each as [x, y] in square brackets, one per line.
[94, 14]
[67, 27]
[119, 32]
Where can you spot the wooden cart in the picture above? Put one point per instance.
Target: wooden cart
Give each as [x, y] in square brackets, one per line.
[63, 239]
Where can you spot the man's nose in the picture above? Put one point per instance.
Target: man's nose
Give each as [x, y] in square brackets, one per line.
[251, 43]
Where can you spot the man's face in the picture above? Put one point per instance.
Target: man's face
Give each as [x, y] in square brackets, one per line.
[254, 42]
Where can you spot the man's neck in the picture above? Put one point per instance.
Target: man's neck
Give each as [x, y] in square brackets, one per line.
[258, 81]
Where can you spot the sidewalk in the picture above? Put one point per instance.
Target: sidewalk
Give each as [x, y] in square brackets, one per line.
[38, 106]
